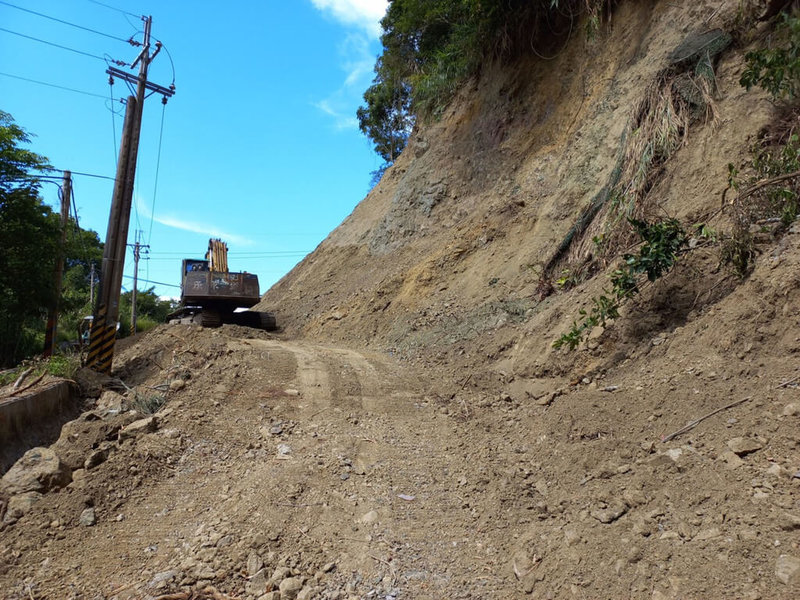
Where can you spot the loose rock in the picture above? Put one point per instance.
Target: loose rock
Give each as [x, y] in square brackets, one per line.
[257, 584]
[370, 517]
[254, 563]
[147, 425]
[20, 504]
[39, 470]
[290, 588]
[789, 522]
[731, 460]
[742, 446]
[610, 513]
[708, 534]
[88, 517]
[787, 569]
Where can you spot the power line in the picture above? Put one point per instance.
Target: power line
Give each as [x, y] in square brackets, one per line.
[170, 61]
[264, 254]
[78, 225]
[38, 14]
[154, 282]
[113, 118]
[53, 85]
[93, 175]
[79, 173]
[124, 12]
[158, 167]
[89, 54]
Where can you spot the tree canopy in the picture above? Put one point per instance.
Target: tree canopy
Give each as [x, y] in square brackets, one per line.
[430, 47]
[28, 242]
[150, 310]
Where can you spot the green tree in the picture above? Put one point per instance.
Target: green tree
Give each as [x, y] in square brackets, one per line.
[28, 244]
[150, 310]
[83, 251]
[431, 47]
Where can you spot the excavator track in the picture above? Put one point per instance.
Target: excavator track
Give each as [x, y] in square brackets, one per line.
[210, 318]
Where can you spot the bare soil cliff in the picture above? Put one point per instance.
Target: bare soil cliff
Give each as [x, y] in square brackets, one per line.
[412, 433]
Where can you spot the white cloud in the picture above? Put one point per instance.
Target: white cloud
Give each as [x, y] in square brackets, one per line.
[342, 120]
[193, 226]
[358, 60]
[365, 14]
[357, 63]
[202, 228]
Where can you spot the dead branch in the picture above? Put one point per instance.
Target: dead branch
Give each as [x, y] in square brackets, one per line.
[767, 182]
[694, 424]
[21, 378]
[27, 387]
[388, 564]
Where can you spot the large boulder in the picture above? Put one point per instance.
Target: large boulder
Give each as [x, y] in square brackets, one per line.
[39, 470]
[20, 504]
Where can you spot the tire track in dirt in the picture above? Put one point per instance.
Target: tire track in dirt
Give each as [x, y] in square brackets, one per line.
[359, 469]
[386, 502]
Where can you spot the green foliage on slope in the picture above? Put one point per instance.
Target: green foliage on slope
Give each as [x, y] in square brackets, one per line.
[776, 68]
[431, 47]
[663, 241]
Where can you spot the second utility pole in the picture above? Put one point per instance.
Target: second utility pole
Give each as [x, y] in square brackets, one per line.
[137, 253]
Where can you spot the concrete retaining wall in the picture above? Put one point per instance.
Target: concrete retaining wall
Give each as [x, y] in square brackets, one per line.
[35, 418]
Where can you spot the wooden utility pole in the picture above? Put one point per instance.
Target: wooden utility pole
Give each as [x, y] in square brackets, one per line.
[137, 251]
[91, 285]
[52, 318]
[106, 312]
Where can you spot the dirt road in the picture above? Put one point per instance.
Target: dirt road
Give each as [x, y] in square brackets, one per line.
[278, 453]
[281, 466]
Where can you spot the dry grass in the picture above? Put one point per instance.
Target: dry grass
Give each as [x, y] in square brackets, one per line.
[658, 128]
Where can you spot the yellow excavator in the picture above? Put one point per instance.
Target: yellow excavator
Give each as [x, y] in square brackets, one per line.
[211, 295]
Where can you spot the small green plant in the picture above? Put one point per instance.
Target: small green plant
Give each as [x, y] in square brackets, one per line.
[738, 251]
[147, 404]
[568, 280]
[63, 365]
[777, 69]
[706, 232]
[733, 174]
[8, 376]
[769, 192]
[662, 243]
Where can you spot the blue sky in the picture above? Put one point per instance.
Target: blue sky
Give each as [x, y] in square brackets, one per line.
[260, 143]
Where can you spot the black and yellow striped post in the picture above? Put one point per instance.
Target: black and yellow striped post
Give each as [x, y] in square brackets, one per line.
[102, 337]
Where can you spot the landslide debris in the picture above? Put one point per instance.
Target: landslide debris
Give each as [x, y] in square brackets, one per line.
[413, 434]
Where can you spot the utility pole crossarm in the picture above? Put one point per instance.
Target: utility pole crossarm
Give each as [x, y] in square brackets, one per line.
[134, 80]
